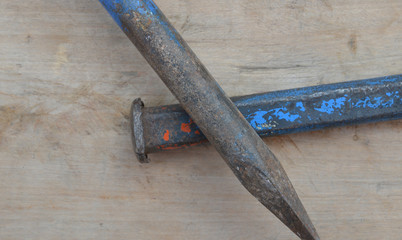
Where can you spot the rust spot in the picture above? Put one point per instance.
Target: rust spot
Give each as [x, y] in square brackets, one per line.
[166, 135]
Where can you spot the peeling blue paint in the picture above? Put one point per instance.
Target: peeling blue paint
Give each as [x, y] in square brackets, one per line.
[376, 102]
[283, 113]
[257, 118]
[331, 105]
[368, 102]
[301, 106]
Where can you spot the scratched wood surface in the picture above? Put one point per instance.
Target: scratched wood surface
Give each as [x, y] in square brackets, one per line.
[68, 76]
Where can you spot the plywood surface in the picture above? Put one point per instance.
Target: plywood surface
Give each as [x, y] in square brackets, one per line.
[68, 76]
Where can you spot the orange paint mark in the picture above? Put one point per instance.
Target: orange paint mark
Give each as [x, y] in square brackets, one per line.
[197, 132]
[185, 127]
[166, 135]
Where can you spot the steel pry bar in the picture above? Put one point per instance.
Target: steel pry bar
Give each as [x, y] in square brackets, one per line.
[163, 128]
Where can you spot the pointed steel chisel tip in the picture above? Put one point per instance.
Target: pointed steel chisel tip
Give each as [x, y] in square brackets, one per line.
[268, 182]
[209, 107]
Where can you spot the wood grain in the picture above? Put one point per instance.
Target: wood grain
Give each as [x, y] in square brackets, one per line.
[68, 76]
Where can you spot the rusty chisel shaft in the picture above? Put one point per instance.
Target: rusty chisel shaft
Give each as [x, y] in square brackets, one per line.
[214, 113]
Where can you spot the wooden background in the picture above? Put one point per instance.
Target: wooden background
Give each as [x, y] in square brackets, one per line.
[68, 76]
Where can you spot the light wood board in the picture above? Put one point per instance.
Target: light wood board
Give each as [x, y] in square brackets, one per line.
[67, 78]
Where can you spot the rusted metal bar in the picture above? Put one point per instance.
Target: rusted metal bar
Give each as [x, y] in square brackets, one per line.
[215, 114]
[277, 113]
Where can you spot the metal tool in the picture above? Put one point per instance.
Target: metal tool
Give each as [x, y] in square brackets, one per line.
[276, 113]
[202, 98]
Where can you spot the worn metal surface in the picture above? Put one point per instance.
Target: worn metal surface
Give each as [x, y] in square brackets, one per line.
[200, 95]
[137, 130]
[277, 113]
